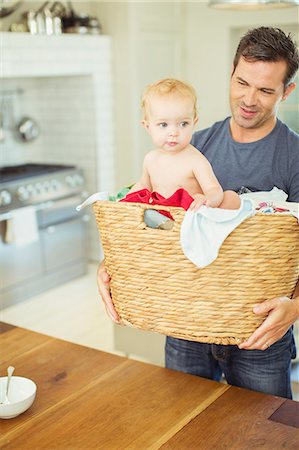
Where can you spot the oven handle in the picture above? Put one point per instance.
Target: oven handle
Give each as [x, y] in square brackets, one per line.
[68, 201]
[9, 215]
[52, 228]
[60, 203]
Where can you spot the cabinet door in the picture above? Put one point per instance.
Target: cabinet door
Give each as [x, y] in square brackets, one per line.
[157, 45]
[148, 44]
[140, 344]
[64, 243]
[159, 56]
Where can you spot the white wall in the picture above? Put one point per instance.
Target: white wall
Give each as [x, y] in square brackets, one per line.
[209, 52]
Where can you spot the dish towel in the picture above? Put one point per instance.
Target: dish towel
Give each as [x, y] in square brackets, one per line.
[203, 231]
[21, 227]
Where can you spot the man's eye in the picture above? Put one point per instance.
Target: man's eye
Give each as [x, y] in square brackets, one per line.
[264, 91]
[242, 83]
[162, 125]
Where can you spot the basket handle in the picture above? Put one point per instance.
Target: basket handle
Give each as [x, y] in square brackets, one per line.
[176, 212]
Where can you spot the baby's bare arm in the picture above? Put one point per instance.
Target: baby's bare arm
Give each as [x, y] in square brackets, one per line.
[212, 191]
[144, 182]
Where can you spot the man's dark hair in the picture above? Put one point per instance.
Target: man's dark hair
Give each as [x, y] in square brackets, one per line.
[272, 45]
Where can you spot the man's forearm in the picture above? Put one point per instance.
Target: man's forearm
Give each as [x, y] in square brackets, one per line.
[296, 291]
[296, 297]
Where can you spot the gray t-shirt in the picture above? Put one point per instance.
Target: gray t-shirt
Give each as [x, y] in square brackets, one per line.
[259, 166]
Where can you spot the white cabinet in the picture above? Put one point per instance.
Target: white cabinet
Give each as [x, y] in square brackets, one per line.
[139, 344]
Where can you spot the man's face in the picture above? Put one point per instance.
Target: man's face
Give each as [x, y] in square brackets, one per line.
[256, 89]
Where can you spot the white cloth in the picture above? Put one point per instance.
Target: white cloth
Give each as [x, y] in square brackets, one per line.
[21, 227]
[276, 197]
[203, 231]
[104, 195]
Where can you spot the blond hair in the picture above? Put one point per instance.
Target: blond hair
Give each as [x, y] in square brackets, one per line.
[168, 86]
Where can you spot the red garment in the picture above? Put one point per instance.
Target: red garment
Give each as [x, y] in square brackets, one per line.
[180, 198]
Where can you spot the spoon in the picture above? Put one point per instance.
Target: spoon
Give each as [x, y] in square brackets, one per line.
[10, 371]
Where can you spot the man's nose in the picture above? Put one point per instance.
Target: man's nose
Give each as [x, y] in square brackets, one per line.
[250, 98]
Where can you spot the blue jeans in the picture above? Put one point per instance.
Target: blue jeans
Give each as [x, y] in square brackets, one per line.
[266, 371]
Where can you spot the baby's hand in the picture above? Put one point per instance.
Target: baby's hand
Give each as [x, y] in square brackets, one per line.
[199, 199]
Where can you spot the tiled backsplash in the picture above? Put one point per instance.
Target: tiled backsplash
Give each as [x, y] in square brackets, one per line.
[63, 108]
[64, 83]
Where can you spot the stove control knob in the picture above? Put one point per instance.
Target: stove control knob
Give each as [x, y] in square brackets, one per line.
[38, 188]
[5, 198]
[30, 190]
[22, 193]
[55, 185]
[70, 180]
[46, 186]
[79, 180]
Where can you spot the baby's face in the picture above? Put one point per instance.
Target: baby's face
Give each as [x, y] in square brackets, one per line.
[170, 122]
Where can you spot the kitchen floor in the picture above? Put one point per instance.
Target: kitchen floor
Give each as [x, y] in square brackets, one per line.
[74, 312]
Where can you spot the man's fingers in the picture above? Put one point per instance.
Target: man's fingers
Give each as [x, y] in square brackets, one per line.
[266, 306]
[262, 341]
[104, 291]
[105, 294]
[112, 313]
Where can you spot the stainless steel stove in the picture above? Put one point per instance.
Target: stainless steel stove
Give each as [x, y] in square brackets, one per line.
[30, 184]
[47, 196]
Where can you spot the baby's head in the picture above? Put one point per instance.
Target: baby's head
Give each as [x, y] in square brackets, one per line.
[165, 89]
[169, 113]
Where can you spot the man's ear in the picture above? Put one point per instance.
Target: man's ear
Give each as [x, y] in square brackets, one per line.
[288, 90]
[195, 120]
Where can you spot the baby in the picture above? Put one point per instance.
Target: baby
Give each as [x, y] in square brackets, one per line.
[169, 116]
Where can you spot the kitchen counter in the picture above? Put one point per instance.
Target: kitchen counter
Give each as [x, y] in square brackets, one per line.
[88, 399]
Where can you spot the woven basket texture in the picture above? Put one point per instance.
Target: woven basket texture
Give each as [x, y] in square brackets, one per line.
[155, 287]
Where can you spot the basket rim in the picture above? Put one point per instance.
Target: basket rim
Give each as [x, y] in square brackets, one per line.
[180, 208]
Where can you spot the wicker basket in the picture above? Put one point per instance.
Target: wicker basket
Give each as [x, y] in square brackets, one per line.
[155, 287]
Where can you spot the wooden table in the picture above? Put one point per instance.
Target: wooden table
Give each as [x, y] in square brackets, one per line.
[87, 399]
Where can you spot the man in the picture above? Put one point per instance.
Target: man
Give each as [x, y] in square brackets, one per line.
[255, 150]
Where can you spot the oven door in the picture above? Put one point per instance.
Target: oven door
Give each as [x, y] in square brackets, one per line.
[18, 263]
[63, 234]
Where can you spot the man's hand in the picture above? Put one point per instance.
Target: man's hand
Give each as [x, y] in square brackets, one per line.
[103, 281]
[283, 312]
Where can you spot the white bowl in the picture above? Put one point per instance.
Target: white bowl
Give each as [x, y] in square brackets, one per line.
[20, 396]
